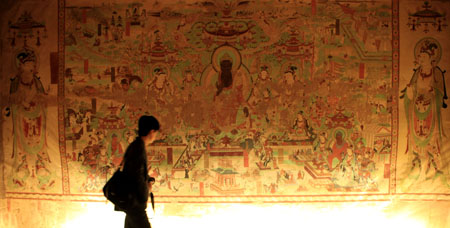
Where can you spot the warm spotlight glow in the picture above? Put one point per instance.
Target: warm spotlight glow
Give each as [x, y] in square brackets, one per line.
[95, 215]
[254, 215]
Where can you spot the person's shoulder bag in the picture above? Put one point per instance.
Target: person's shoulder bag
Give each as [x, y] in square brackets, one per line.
[116, 190]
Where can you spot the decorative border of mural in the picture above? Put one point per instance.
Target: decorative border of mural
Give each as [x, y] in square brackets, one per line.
[395, 86]
[244, 199]
[61, 124]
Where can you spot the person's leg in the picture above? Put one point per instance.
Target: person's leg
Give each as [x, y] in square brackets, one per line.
[137, 219]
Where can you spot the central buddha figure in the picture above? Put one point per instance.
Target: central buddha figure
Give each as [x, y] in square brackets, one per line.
[227, 83]
[226, 76]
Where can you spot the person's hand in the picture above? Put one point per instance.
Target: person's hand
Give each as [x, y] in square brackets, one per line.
[150, 183]
[150, 186]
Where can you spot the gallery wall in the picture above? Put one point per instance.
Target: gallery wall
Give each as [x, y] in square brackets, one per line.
[303, 104]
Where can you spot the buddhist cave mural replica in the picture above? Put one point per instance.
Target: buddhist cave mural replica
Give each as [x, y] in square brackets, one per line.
[258, 100]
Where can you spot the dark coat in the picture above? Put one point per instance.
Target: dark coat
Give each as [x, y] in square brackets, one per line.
[135, 168]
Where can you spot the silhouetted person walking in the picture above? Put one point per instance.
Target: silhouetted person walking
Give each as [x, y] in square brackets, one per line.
[135, 168]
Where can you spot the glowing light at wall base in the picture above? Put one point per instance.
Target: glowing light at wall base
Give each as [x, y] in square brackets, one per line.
[255, 215]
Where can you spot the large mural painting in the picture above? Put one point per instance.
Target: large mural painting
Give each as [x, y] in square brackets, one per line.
[258, 100]
[254, 101]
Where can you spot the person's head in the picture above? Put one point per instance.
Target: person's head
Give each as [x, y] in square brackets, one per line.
[114, 138]
[427, 53]
[424, 58]
[148, 128]
[189, 75]
[125, 85]
[28, 67]
[289, 74]
[26, 61]
[264, 74]
[339, 137]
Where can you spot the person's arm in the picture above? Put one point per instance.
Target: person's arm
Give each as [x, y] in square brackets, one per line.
[134, 168]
